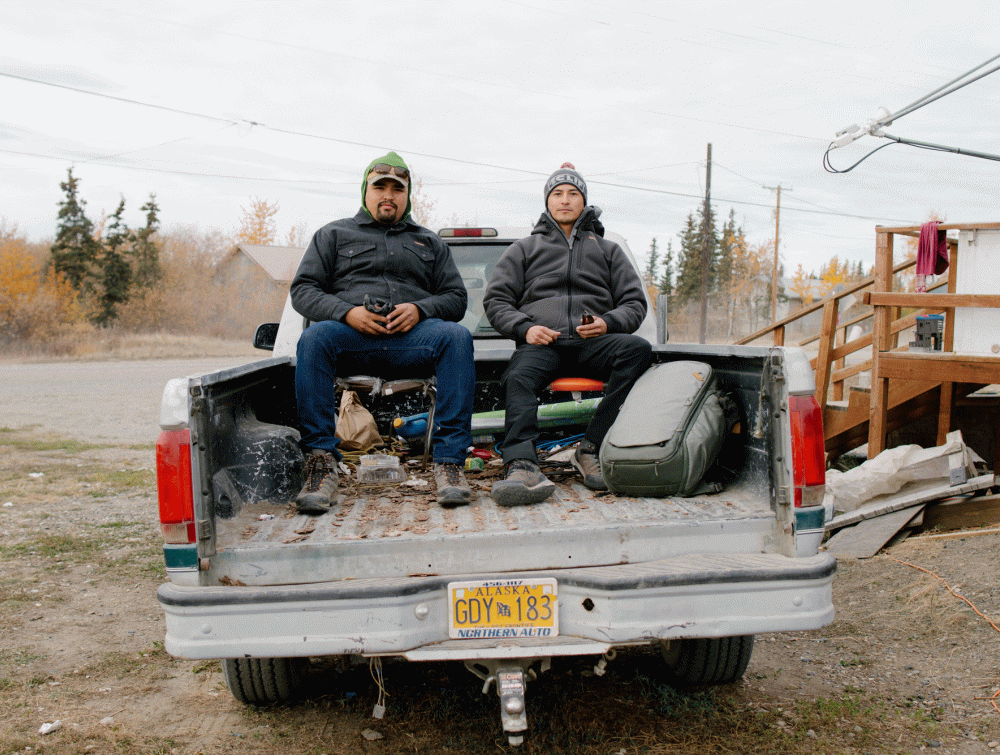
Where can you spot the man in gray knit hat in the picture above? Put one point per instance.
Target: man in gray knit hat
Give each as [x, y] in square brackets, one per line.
[572, 301]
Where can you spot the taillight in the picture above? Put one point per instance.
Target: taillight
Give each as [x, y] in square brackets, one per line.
[450, 233]
[808, 450]
[173, 485]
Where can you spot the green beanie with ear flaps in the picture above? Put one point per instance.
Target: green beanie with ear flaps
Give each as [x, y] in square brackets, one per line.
[396, 161]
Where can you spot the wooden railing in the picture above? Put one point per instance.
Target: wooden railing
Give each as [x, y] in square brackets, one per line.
[829, 363]
[887, 360]
[945, 366]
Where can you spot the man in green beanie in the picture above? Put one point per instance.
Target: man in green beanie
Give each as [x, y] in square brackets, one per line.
[382, 296]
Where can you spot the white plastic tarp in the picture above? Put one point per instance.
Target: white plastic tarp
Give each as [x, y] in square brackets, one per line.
[888, 473]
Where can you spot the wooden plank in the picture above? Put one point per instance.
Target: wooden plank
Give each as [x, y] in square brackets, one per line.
[823, 358]
[912, 494]
[944, 413]
[868, 537]
[779, 335]
[854, 369]
[878, 407]
[946, 368]
[897, 325]
[949, 313]
[961, 533]
[963, 513]
[914, 230]
[903, 299]
[838, 386]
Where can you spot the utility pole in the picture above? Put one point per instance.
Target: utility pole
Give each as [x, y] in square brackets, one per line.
[706, 243]
[774, 277]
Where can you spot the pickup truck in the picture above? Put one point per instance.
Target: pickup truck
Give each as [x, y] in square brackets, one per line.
[505, 590]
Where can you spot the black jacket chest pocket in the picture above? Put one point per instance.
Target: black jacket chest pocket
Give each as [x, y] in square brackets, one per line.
[355, 255]
[424, 254]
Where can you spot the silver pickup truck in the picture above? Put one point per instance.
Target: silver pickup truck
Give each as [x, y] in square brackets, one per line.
[506, 590]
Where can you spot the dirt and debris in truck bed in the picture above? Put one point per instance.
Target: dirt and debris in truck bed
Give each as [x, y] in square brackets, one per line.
[410, 509]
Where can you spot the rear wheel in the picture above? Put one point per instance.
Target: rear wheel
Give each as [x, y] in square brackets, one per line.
[264, 681]
[707, 660]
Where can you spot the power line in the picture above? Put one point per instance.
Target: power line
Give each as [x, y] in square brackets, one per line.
[10, 75]
[369, 146]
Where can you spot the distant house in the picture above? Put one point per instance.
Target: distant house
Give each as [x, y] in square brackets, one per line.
[794, 302]
[253, 283]
[256, 266]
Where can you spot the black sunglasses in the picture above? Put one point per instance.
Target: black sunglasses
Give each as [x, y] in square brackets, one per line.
[384, 169]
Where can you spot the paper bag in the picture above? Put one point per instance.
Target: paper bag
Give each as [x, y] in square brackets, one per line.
[356, 426]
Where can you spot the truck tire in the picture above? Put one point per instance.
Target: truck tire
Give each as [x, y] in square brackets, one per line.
[706, 660]
[264, 681]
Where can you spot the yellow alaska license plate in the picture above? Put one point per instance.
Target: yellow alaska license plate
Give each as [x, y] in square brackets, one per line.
[503, 608]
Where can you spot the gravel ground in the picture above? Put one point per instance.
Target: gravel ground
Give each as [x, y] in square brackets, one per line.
[81, 632]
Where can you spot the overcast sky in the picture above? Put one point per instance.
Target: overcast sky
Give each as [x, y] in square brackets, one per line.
[208, 104]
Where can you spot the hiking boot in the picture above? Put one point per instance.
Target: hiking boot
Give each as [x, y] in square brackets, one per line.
[523, 484]
[452, 489]
[320, 487]
[588, 464]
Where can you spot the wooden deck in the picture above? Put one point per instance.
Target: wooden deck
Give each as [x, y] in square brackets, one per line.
[905, 385]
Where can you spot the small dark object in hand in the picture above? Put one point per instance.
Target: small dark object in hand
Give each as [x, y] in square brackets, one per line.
[378, 306]
[587, 319]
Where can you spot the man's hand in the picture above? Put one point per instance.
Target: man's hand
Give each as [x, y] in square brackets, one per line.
[366, 322]
[539, 335]
[596, 328]
[403, 318]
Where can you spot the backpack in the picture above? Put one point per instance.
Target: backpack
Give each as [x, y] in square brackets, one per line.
[668, 433]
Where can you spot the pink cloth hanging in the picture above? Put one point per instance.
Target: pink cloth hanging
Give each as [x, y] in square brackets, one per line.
[932, 253]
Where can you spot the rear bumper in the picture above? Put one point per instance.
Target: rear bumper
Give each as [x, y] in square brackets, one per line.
[600, 607]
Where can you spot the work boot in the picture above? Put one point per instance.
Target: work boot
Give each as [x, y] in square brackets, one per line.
[588, 464]
[523, 484]
[320, 487]
[452, 489]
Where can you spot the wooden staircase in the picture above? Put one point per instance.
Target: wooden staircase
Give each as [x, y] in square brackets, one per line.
[901, 395]
[846, 423]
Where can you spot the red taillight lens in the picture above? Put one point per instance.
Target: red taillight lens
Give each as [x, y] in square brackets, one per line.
[451, 233]
[808, 450]
[173, 485]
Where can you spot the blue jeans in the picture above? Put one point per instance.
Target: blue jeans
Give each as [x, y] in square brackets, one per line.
[327, 349]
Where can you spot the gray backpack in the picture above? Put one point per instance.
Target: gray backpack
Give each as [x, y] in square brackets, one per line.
[668, 433]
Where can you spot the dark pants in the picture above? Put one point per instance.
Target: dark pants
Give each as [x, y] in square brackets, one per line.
[617, 359]
[327, 349]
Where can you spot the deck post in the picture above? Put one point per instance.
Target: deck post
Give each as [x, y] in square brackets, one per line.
[878, 409]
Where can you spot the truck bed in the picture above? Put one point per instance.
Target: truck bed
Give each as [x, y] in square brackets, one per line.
[395, 531]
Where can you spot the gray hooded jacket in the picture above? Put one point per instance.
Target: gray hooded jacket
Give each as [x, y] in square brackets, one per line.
[543, 280]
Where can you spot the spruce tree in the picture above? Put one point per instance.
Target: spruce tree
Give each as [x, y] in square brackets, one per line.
[731, 235]
[145, 252]
[75, 251]
[654, 257]
[689, 262]
[666, 283]
[116, 273]
[689, 265]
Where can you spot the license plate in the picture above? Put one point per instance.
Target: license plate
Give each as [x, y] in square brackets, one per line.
[503, 609]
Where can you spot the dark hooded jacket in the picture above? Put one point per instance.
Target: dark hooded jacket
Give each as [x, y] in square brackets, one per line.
[544, 280]
[350, 258]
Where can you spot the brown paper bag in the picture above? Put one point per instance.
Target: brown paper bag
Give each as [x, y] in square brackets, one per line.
[356, 426]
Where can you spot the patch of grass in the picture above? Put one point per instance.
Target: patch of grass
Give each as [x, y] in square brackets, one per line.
[19, 657]
[27, 443]
[847, 663]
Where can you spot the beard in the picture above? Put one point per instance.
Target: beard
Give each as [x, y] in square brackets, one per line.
[386, 214]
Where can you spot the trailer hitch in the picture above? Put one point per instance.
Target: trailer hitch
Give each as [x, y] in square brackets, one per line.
[511, 676]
